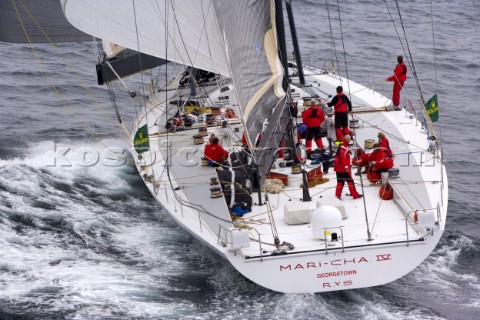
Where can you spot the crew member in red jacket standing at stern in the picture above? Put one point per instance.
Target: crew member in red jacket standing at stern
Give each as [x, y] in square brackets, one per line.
[399, 77]
[313, 118]
[342, 168]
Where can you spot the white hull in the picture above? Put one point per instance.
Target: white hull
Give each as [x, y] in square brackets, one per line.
[397, 244]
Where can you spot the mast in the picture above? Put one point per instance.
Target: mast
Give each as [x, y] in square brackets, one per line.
[282, 45]
[296, 48]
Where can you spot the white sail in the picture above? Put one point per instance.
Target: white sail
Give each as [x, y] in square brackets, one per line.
[183, 31]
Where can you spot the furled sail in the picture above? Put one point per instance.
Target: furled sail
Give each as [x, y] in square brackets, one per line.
[183, 31]
[37, 19]
[250, 38]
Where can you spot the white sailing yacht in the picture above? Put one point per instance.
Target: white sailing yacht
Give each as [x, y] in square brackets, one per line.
[292, 236]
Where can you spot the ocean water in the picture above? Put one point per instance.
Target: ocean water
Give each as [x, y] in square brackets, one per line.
[81, 237]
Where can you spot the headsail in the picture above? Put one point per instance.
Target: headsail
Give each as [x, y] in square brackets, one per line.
[183, 31]
[235, 38]
[251, 43]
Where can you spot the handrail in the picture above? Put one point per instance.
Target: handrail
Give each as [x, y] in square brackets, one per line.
[325, 238]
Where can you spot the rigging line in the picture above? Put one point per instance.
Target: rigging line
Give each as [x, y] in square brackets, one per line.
[332, 38]
[102, 56]
[168, 158]
[436, 80]
[343, 46]
[138, 45]
[315, 29]
[209, 48]
[180, 33]
[427, 118]
[353, 137]
[396, 31]
[66, 63]
[393, 135]
[158, 11]
[49, 80]
[118, 76]
[434, 47]
[372, 34]
[273, 225]
[409, 61]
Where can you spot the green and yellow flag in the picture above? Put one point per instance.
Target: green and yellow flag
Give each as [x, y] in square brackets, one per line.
[141, 142]
[432, 108]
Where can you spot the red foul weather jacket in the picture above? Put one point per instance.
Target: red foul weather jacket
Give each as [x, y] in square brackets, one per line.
[385, 144]
[341, 103]
[342, 159]
[384, 161]
[313, 117]
[400, 73]
[215, 152]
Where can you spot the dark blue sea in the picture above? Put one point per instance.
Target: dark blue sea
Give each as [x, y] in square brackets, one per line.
[81, 237]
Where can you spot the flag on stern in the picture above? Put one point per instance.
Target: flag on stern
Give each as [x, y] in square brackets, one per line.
[432, 108]
[140, 141]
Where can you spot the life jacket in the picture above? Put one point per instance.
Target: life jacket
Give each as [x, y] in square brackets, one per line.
[400, 72]
[384, 162]
[403, 76]
[342, 159]
[313, 117]
[341, 105]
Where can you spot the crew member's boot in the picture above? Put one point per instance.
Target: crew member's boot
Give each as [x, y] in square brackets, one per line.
[353, 191]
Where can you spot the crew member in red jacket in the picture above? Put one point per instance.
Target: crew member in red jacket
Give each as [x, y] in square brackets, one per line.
[383, 142]
[313, 118]
[399, 77]
[342, 106]
[363, 159]
[215, 153]
[342, 168]
[384, 158]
